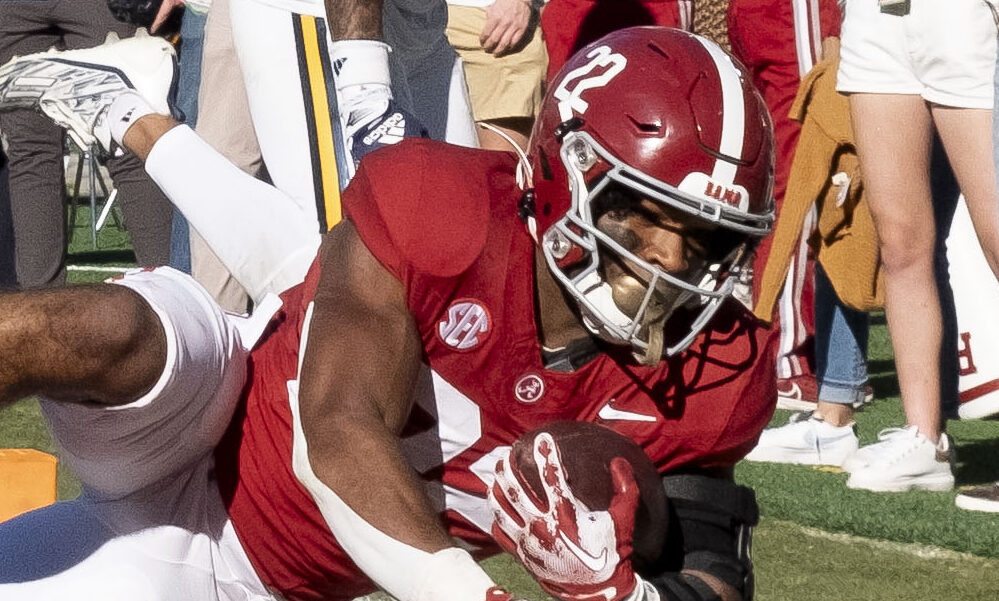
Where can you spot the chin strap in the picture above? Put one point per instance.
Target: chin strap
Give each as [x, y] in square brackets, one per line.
[654, 351]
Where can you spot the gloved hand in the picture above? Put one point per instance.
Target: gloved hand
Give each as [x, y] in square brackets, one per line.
[574, 553]
[378, 122]
[370, 117]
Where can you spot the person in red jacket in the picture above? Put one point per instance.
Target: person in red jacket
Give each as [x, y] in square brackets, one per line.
[779, 41]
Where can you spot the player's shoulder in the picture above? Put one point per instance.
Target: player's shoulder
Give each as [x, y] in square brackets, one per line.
[429, 200]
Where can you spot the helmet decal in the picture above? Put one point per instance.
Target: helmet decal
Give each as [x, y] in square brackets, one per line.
[733, 114]
[571, 102]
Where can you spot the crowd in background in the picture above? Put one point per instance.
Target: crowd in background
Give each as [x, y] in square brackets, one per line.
[857, 167]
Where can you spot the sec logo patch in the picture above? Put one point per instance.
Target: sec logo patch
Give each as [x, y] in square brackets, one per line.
[466, 326]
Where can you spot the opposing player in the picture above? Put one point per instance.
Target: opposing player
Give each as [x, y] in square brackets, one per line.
[452, 311]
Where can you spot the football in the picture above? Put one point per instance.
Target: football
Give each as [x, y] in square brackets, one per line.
[586, 451]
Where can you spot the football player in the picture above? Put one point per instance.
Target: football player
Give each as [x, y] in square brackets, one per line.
[468, 297]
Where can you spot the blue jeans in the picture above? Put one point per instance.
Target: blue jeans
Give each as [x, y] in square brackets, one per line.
[192, 35]
[840, 345]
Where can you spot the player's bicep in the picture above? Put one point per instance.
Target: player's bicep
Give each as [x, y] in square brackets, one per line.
[363, 349]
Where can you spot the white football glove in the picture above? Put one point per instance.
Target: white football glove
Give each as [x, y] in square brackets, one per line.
[574, 553]
[369, 116]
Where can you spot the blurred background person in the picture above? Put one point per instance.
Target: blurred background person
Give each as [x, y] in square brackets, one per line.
[505, 61]
[780, 41]
[8, 278]
[35, 149]
[568, 25]
[898, 95]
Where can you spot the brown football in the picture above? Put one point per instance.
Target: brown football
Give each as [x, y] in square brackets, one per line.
[586, 451]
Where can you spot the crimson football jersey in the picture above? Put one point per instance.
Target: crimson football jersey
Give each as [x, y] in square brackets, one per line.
[444, 221]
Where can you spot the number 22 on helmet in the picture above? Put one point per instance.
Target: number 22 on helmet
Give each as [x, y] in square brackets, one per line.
[650, 129]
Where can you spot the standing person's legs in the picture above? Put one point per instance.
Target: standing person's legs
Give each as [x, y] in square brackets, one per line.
[841, 359]
[780, 41]
[35, 153]
[826, 436]
[945, 192]
[8, 275]
[986, 498]
[224, 122]
[192, 35]
[967, 137]
[506, 90]
[894, 138]
[148, 213]
[288, 78]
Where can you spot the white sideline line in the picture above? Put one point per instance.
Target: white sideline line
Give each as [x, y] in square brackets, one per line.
[98, 268]
[917, 550]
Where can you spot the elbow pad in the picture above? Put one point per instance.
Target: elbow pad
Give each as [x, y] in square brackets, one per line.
[711, 522]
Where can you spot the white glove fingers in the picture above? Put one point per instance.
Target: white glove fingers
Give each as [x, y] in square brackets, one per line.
[551, 470]
[508, 485]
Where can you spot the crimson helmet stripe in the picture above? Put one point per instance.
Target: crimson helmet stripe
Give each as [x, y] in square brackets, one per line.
[733, 113]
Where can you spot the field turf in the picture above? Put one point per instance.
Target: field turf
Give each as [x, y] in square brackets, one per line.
[817, 540]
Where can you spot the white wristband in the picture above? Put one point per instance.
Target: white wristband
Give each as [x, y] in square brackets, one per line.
[360, 62]
[126, 109]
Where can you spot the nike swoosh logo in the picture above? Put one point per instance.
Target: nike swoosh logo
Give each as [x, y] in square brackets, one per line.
[594, 563]
[608, 412]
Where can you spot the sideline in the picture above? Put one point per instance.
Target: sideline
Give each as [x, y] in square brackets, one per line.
[918, 550]
[98, 268]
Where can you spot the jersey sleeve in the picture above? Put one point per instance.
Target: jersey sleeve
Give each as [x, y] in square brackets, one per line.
[420, 206]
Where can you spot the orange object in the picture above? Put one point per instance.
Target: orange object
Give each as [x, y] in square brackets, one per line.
[27, 481]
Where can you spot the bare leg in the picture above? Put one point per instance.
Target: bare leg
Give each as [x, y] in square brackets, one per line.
[517, 129]
[967, 137]
[98, 343]
[837, 414]
[893, 142]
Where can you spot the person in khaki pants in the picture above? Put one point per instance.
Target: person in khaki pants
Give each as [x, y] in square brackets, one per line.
[224, 122]
[36, 149]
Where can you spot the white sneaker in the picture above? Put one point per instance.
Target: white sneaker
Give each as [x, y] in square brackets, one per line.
[980, 498]
[866, 455]
[903, 459]
[806, 440]
[74, 88]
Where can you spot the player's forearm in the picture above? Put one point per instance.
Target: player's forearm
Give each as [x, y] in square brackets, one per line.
[378, 512]
[354, 19]
[360, 367]
[361, 462]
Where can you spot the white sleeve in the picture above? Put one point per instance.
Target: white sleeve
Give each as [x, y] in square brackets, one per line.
[259, 233]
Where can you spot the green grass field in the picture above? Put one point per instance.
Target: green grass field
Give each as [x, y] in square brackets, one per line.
[817, 540]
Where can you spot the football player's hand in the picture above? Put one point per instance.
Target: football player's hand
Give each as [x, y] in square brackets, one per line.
[506, 23]
[376, 122]
[574, 553]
